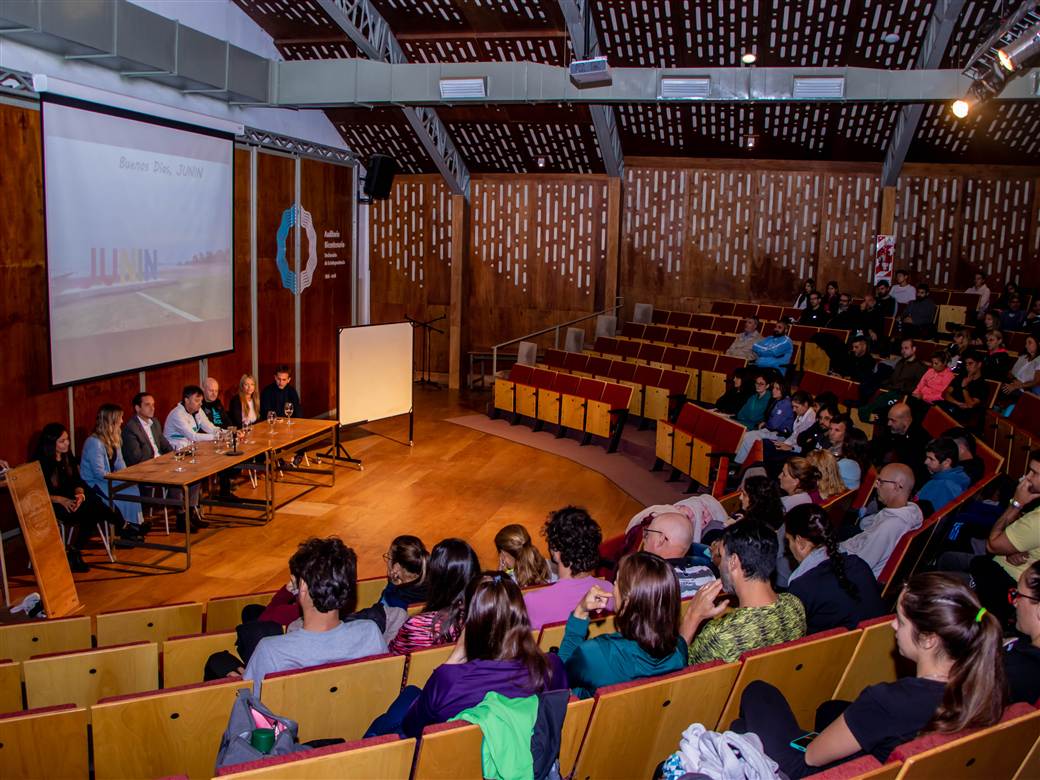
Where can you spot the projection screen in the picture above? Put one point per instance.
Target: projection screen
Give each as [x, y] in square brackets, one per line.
[139, 240]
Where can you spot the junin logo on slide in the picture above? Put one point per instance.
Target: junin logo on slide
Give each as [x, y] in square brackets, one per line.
[306, 276]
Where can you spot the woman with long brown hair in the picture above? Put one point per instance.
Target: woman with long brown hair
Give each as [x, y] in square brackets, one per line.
[954, 643]
[245, 404]
[519, 558]
[496, 652]
[646, 642]
[103, 454]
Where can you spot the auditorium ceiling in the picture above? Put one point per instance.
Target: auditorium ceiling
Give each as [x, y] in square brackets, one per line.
[668, 33]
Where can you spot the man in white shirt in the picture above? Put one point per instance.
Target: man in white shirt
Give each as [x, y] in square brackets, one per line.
[186, 422]
[902, 291]
[981, 289]
[881, 532]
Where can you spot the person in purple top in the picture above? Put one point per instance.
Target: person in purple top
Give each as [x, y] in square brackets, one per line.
[574, 540]
[495, 652]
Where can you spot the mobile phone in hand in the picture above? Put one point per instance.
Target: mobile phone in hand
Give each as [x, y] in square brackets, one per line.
[802, 743]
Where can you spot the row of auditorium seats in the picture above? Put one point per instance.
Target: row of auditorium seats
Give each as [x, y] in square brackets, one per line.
[1015, 436]
[699, 444]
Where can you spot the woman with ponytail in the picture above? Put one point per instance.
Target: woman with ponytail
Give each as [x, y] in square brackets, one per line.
[519, 558]
[837, 590]
[959, 684]
[406, 563]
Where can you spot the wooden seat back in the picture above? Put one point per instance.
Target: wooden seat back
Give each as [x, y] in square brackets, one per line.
[10, 686]
[805, 671]
[161, 733]
[449, 751]
[84, 676]
[387, 758]
[19, 641]
[652, 714]
[184, 657]
[421, 663]
[47, 743]
[225, 613]
[874, 660]
[149, 624]
[335, 700]
[369, 591]
[551, 636]
[575, 727]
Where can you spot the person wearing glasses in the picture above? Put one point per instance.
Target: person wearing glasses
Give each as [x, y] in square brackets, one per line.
[756, 407]
[881, 532]
[846, 315]
[1022, 659]
[670, 536]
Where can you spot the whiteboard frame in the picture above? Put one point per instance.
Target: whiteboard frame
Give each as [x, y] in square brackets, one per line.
[411, 378]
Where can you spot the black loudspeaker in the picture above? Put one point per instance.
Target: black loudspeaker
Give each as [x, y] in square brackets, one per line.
[381, 170]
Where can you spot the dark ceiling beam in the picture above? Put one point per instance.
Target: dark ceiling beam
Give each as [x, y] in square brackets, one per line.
[933, 48]
[369, 31]
[585, 42]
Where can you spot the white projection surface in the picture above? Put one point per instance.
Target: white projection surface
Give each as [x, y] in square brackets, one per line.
[375, 372]
[139, 242]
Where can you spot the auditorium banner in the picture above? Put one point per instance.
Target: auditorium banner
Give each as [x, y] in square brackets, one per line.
[884, 258]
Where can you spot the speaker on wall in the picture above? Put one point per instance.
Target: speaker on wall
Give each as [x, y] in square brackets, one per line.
[380, 177]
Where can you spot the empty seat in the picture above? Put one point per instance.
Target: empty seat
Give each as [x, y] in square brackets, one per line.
[149, 624]
[19, 641]
[335, 700]
[599, 367]
[184, 657]
[722, 307]
[449, 751]
[159, 733]
[576, 362]
[606, 346]
[655, 333]
[554, 358]
[386, 758]
[84, 676]
[679, 319]
[633, 330]
[225, 613]
[650, 353]
[45, 743]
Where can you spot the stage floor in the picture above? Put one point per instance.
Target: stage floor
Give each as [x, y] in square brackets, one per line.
[455, 481]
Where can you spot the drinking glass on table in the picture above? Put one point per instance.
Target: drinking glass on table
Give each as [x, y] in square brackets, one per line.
[178, 458]
[288, 413]
[193, 452]
[272, 418]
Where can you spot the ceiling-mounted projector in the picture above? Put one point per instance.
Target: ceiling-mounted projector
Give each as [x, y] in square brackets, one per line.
[590, 73]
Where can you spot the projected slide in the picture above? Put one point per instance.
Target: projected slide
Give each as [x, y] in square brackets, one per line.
[139, 237]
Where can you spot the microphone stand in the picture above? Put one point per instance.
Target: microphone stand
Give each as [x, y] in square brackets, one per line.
[424, 349]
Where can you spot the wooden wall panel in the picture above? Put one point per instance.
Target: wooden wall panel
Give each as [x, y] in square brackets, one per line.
[326, 192]
[87, 397]
[227, 369]
[28, 400]
[410, 258]
[275, 306]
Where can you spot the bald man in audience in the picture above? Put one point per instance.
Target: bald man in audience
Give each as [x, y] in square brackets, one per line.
[881, 532]
[670, 536]
[901, 440]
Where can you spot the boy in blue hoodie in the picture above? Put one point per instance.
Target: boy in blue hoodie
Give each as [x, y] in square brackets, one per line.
[948, 480]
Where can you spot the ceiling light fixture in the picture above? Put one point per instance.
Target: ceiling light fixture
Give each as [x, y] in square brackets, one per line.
[960, 108]
[750, 140]
[748, 58]
[1014, 55]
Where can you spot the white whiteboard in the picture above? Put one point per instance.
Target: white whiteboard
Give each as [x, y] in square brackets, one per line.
[375, 372]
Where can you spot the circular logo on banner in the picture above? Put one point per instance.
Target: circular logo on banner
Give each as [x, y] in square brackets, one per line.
[306, 276]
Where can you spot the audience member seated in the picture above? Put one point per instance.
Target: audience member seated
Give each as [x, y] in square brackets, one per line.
[901, 441]
[798, 483]
[837, 432]
[831, 298]
[212, 406]
[804, 420]
[858, 364]
[496, 653]
[961, 344]
[103, 454]
[738, 387]
[817, 434]
[948, 479]
[74, 505]
[830, 483]
[980, 289]
[814, 313]
[323, 576]
[903, 292]
[760, 502]
[935, 380]
[753, 412]
[186, 423]
[964, 398]
[959, 684]
[1022, 656]
[990, 321]
[670, 536]
[519, 558]
[742, 344]
[853, 453]
[886, 304]
[452, 566]
[276, 396]
[1011, 290]
[407, 563]
[245, 404]
[573, 538]
[774, 351]
[966, 458]
[802, 299]
[761, 617]
[1025, 374]
[872, 323]
[1014, 317]
[918, 320]
[996, 365]
[837, 590]
[1033, 318]
[904, 379]
[847, 314]
[880, 532]
[778, 423]
[646, 642]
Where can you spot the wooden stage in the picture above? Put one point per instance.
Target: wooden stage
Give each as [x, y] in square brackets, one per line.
[454, 482]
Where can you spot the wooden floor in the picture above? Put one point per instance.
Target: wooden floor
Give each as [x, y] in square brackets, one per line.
[454, 482]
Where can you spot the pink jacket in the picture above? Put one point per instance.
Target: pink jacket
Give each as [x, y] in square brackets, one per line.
[932, 384]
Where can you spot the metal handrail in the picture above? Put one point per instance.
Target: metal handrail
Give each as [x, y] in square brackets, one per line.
[620, 301]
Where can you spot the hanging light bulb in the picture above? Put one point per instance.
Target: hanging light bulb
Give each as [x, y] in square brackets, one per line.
[961, 108]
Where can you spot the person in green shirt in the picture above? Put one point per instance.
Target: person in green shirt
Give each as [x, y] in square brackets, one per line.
[762, 617]
[647, 641]
[757, 405]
